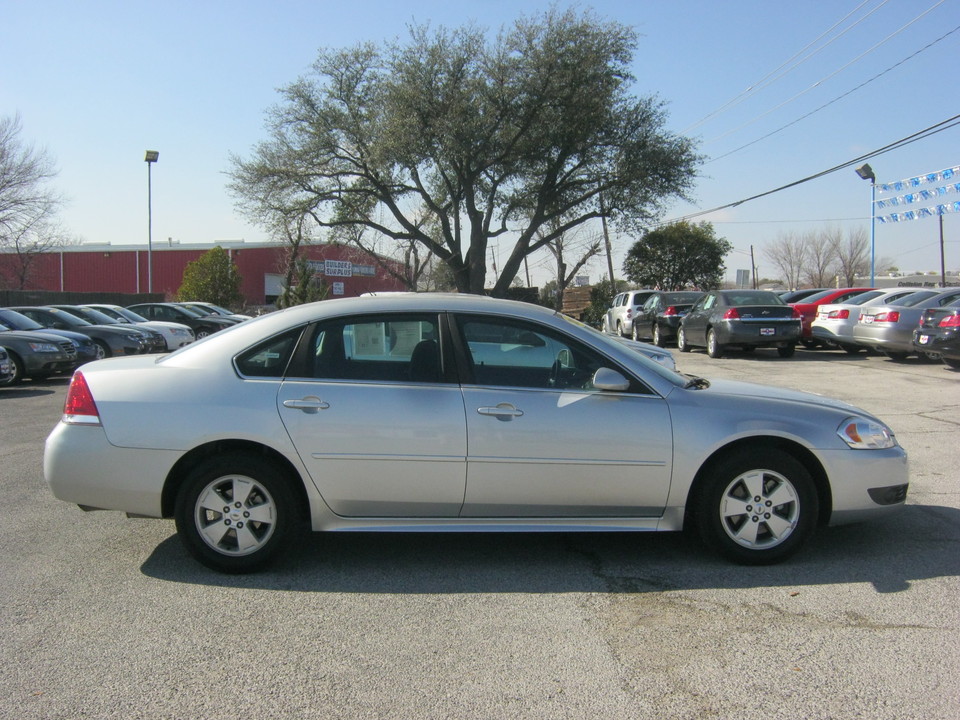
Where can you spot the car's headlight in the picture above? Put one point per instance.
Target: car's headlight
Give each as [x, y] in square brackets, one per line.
[42, 347]
[863, 434]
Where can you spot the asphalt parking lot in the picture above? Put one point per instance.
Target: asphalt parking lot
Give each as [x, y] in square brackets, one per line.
[107, 617]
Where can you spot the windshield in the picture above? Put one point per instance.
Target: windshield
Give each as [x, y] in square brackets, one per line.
[865, 297]
[15, 321]
[915, 299]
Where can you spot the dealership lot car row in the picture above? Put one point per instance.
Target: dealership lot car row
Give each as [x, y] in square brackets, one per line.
[897, 322]
[41, 341]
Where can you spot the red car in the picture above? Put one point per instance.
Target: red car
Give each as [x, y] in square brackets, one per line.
[808, 308]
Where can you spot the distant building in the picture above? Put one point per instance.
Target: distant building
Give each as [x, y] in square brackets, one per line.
[347, 271]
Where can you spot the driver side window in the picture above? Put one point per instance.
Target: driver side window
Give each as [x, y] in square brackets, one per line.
[516, 354]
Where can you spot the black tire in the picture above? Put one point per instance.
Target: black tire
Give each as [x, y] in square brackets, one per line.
[103, 350]
[769, 480]
[202, 333]
[658, 339]
[896, 355]
[634, 334]
[246, 533]
[16, 364]
[714, 348]
[682, 345]
[620, 329]
[787, 351]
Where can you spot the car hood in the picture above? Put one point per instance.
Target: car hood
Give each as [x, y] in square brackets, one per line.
[738, 388]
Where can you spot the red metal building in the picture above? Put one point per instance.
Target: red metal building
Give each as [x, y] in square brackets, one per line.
[347, 271]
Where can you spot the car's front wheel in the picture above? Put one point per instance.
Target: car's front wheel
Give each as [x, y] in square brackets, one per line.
[235, 512]
[757, 507]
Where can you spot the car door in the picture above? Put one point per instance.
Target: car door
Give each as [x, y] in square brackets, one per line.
[377, 418]
[695, 322]
[543, 442]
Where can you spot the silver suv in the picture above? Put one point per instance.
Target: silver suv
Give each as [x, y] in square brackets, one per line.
[625, 306]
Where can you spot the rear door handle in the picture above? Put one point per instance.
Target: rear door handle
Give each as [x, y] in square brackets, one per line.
[309, 404]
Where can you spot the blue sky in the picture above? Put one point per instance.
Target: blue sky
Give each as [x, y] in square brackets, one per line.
[98, 83]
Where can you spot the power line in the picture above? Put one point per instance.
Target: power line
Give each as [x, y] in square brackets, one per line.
[921, 135]
[836, 99]
[772, 76]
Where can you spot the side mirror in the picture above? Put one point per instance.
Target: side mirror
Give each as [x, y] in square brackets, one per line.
[610, 380]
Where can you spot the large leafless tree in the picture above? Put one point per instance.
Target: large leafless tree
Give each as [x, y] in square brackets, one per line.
[28, 204]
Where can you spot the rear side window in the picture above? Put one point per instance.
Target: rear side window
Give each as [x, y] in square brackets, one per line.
[270, 358]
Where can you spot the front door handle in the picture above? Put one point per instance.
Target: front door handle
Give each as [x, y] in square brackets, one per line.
[310, 404]
[503, 411]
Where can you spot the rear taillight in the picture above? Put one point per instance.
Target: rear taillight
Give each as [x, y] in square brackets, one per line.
[79, 407]
[670, 311]
[950, 321]
[731, 314]
[838, 314]
[892, 316]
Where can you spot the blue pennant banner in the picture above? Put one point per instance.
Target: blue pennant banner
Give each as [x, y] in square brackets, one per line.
[918, 196]
[944, 176]
[919, 213]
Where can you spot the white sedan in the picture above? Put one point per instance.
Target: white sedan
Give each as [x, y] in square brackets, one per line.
[424, 412]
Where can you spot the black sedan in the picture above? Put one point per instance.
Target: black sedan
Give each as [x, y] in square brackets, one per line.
[743, 318]
[110, 340]
[86, 349]
[939, 333]
[171, 312]
[659, 318]
[37, 355]
[154, 340]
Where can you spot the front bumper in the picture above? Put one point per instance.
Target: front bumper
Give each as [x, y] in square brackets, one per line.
[865, 483]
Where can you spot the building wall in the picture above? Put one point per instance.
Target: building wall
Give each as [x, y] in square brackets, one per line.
[111, 269]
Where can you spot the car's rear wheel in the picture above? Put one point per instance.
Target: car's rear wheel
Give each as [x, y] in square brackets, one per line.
[658, 336]
[234, 513]
[757, 507]
[682, 341]
[896, 355]
[714, 348]
[787, 351]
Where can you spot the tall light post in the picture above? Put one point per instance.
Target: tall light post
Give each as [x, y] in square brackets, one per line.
[150, 158]
[866, 173]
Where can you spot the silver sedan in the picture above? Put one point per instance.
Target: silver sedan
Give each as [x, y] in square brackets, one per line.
[455, 412]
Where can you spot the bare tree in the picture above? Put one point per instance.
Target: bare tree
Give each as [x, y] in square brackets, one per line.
[821, 259]
[852, 255]
[563, 245]
[787, 253]
[28, 205]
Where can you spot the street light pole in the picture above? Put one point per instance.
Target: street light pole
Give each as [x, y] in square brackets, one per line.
[150, 158]
[866, 173]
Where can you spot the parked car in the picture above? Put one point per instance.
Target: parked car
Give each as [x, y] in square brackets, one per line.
[807, 308]
[659, 318]
[619, 316]
[6, 367]
[109, 340]
[793, 296]
[202, 325]
[456, 413]
[834, 323]
[87, 350]
[939, 333]
[205, 308]
[154, 340]
[889, 328]
[748, 319]
[37, 355]
[175, 335]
